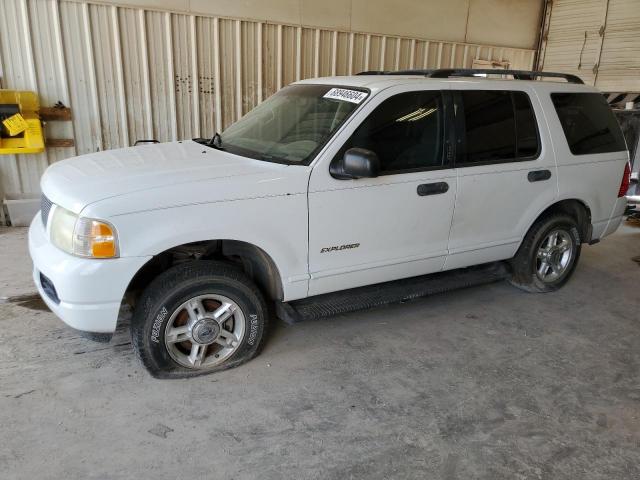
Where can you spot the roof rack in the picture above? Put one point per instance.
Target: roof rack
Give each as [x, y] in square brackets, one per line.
[426, 73]
[470, 72]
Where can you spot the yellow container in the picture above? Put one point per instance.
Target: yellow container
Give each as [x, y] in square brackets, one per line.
[21, 136]
[15, 124]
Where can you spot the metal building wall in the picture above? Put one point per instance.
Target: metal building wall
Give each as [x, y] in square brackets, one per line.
[131, 73]
[598, 40]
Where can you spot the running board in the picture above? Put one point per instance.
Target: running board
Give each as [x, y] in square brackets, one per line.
[387, 293]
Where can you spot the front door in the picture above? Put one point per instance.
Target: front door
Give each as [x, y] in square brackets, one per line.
[370, 230]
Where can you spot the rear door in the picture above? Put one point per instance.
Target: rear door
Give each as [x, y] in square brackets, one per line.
[506, 173]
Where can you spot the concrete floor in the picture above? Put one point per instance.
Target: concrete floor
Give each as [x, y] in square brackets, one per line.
[488, 382]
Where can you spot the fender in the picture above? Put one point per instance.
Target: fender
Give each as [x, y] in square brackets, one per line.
[275, 225]
[572, 207]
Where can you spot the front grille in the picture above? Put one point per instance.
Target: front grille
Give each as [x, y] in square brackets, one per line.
[45, 207]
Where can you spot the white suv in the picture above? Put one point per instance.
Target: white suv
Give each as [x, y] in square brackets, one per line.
[319, 195]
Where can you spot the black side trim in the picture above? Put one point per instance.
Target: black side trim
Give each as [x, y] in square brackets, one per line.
[361, 298]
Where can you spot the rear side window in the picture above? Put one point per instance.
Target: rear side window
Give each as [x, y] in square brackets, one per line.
[500, 126]
[490, 126]
[406, 131]
[588, 123]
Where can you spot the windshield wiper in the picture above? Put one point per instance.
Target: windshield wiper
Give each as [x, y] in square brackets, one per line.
[215, 142]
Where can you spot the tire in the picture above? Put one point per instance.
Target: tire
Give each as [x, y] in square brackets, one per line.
[175, 318]
[529, 274]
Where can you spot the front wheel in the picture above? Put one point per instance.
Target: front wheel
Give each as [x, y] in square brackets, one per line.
[548, 255]
[196, 318]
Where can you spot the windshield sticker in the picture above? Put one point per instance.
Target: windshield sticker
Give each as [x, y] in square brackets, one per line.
[353, 96]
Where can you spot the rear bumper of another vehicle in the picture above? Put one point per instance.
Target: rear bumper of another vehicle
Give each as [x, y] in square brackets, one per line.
[84, 293]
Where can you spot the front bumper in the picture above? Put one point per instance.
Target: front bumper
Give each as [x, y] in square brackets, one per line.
[84, 293]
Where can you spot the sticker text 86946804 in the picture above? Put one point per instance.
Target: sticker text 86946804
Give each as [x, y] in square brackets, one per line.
[353, 96]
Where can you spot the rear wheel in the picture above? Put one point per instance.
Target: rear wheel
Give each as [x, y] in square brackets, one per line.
[548, 254]
[198, 318]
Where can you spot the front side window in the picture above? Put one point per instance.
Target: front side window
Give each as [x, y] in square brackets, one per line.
[406, 131]
[292, 125]
[588, 123]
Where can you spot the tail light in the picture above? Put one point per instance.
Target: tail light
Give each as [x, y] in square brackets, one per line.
[626, 179]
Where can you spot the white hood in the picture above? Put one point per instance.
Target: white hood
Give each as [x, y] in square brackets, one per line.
[80, 181]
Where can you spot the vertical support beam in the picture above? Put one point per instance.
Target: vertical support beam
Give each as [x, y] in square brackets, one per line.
[350, 54]
[259, 61]
[316, 54]
[425, 60]
[33, 85]
[28, 52]
[452, 59]
[2, 75]
[93, 84]
[279, 65]
[124, 120]
[12, 158]
[383, 51]
[216, 74]
[61, 61]
[146, 82]
[464, 56]
[239, 93]
[439, 63]
[396, 63]
[367, 52]
[543, 36]
[195, 78]
[298, 53]
[602, 31]
[170, 73]
[532, 59]
[412, 54]
[334, 52]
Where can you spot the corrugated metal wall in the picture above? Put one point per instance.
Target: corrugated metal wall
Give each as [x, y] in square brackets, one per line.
[132, 74]
[598, 40]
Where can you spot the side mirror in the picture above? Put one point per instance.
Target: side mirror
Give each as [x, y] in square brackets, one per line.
[356, 163]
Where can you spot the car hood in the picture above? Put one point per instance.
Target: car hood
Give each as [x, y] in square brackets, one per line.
[80, 181]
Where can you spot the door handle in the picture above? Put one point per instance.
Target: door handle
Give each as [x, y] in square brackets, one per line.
[539, 175]
[437, 188]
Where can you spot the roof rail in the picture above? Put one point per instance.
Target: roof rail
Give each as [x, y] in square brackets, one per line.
[517, 74]
[397, 72]
[470, 72]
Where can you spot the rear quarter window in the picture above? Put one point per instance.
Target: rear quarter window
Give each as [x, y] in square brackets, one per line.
[588, 123]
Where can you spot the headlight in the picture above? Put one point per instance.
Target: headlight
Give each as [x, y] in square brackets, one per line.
[62, 224]
[81, 236]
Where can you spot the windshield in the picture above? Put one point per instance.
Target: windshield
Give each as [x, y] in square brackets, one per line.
[292, 125]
